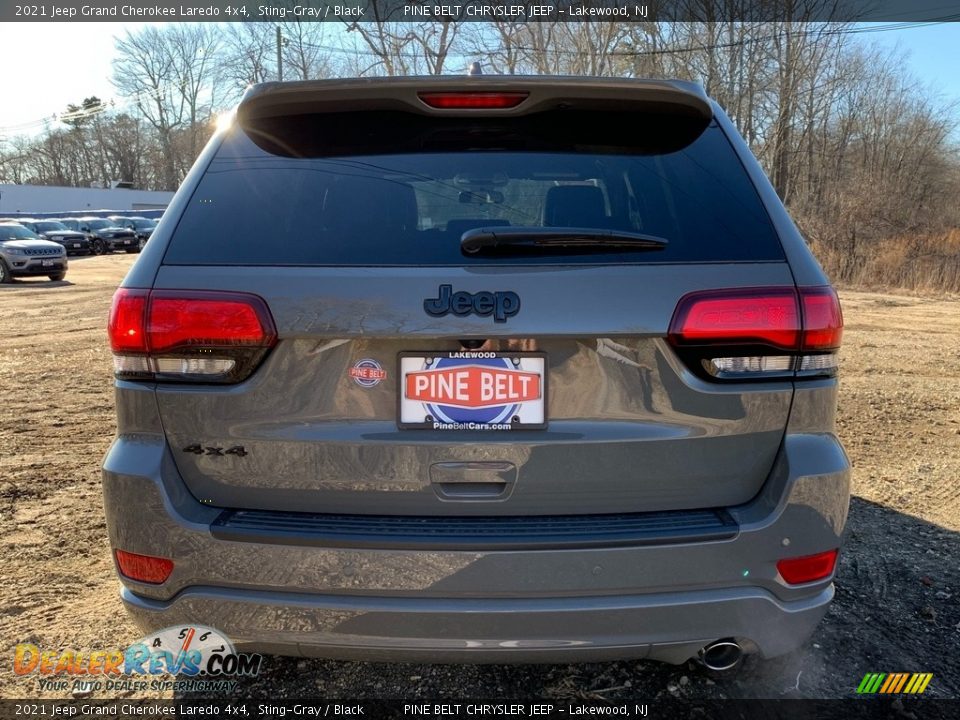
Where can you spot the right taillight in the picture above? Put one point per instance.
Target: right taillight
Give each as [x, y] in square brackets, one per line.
[755, 333]
[188, 335]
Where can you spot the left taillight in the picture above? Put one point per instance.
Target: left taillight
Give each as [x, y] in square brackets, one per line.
[188, 335]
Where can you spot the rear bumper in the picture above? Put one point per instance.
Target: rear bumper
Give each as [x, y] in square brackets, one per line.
[660, 601]
[670, 627]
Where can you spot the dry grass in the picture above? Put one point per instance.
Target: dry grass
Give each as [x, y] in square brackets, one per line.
[924, 263]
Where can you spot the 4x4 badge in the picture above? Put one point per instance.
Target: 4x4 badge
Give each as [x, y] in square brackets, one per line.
[501, 304]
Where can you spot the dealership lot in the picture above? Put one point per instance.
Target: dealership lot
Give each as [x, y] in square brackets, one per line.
[897, 597]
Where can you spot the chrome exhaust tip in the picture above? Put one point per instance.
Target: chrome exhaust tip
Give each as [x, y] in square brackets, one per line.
[721, 655]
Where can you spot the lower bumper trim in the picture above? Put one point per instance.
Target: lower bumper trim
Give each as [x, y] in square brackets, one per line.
[664, 626]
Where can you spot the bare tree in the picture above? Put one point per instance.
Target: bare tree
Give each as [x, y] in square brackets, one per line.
[168, 74]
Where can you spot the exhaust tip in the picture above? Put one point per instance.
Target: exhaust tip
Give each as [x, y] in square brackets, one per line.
[721, 655]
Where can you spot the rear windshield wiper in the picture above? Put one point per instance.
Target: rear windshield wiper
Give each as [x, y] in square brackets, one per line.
[491, 238]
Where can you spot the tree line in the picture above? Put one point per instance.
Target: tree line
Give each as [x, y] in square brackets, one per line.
[861, 151]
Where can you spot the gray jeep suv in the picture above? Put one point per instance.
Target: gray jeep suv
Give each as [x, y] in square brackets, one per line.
[478, 369]
[23, 253]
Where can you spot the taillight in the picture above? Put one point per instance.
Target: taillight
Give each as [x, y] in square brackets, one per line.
[143, 568]
[188, 335]
[822, 319]
[759, 332]
[473, 100]
[809, 568]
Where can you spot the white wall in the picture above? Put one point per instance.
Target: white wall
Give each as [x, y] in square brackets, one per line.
[44, 199]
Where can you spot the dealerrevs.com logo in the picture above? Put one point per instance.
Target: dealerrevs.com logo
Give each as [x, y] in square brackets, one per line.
[202, 655]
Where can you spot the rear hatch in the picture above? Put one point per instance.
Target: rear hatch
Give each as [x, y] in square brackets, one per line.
[410, 376]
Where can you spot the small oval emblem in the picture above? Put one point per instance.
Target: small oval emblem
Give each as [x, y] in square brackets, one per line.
[367, 372]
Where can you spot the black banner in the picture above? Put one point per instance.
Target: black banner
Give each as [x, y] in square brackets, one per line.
[349, 11]
[438, 709]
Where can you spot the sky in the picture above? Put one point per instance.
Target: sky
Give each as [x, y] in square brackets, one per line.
[42, 81]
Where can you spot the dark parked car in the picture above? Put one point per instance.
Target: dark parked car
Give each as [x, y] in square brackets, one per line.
[106, 235]
[24, 253]
[551, 376]
[76, 242]
[142, 226]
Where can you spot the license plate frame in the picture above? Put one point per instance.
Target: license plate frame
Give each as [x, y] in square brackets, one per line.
[530, 414]
[47, 263]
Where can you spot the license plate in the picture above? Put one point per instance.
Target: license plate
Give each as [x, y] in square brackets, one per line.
[76, 245]
[46, 263]
[126, 242]
[472, 390]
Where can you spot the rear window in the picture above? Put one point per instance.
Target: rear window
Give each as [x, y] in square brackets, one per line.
[340, 199]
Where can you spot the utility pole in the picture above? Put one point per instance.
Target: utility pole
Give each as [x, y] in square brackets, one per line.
[279, 55]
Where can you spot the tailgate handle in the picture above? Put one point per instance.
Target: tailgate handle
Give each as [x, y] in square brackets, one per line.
[466, 481]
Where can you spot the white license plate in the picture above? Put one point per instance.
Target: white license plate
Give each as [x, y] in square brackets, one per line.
[76, 245]
[46, 263]
[126, 242]
[472, 390]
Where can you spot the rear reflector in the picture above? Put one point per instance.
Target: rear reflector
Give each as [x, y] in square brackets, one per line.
[143, 568]
[759, 332]
[473, 100]
[189, 335]
[808, 568]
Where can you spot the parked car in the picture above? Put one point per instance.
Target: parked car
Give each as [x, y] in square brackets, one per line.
[23, 253]
[142, 226]
[551, 377]
[76, 242]
[107, 236]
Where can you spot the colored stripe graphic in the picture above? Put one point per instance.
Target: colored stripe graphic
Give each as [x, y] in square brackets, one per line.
[892, 678]
[889, 683]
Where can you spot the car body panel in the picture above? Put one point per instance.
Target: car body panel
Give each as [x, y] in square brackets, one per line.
[617, 396]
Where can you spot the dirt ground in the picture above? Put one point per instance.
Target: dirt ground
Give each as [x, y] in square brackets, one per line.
[896, 607]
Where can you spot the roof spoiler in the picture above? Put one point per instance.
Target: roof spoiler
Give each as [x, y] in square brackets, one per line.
[542, 93]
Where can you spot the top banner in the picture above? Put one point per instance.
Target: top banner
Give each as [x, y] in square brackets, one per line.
[350, 11]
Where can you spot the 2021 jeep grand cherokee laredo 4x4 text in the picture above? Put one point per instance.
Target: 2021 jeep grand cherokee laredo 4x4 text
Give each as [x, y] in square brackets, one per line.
[491, 369]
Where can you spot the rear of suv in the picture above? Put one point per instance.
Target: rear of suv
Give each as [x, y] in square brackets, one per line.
[548, 375]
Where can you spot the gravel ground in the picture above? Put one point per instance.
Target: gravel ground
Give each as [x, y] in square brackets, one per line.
[896, 607]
